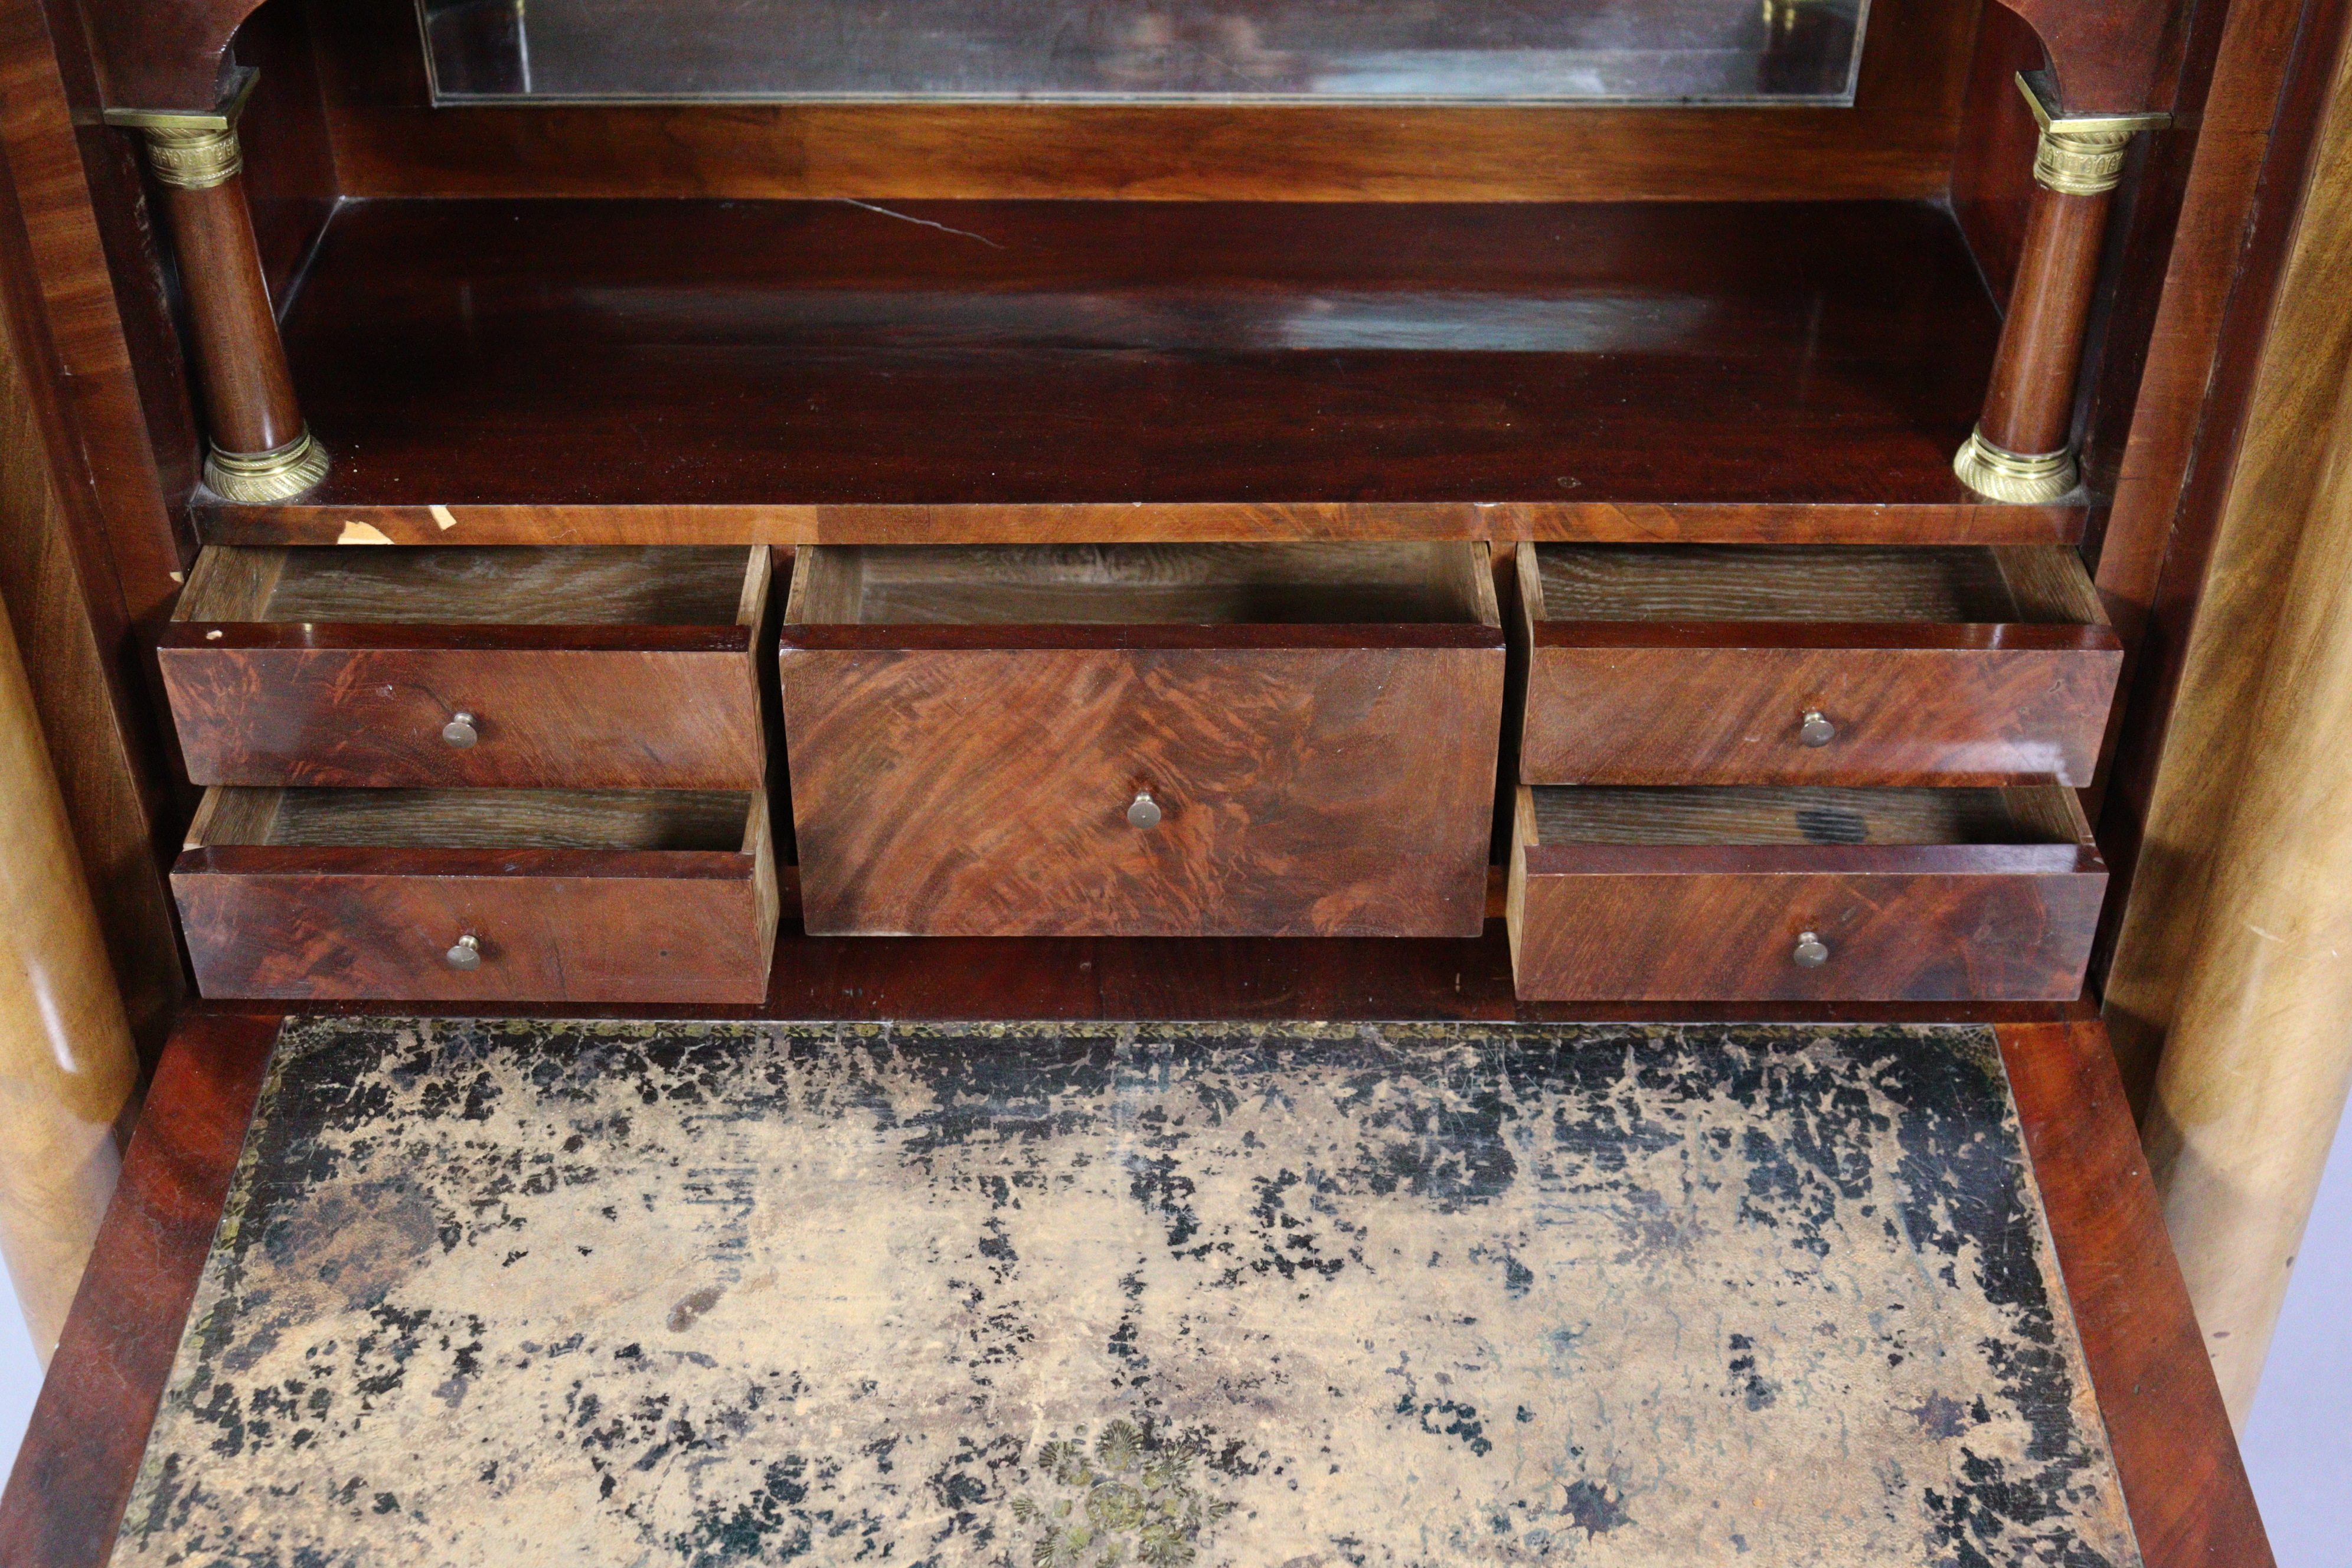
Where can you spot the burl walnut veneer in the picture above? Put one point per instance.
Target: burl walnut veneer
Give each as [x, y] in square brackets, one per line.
[1181, 741]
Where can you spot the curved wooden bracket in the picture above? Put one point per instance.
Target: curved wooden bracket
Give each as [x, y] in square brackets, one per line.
[2108, 56]
[167, 55]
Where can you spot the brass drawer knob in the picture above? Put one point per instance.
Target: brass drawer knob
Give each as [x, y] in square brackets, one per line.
[460, 731]
[466, 955]
[1145, 812]
[1811, 950]
[1818, 731]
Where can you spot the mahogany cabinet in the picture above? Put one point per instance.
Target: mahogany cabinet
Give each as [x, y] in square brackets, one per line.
[1428, 516]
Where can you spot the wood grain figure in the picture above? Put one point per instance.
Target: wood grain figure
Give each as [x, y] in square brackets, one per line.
[1649, 902]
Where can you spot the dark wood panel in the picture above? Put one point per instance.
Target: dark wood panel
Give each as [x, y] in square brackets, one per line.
[1895, 142]
[89, 1431]
[1993, 169]
[1303, 792]
[2183, 1480]
[472, 354]
[616, 719]
[2119, 57]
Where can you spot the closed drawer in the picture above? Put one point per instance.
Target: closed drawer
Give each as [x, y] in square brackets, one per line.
[1227, 739]
[1719, 665]
[479, 895]
[1730, 894]
[577, 668]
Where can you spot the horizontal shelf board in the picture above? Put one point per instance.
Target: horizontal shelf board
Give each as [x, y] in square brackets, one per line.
[807, 369]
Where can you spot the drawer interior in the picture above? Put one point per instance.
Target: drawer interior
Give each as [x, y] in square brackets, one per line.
[1593, 814]
[479, 819]
[1131, 584]
[1964, 584]
[512, 586]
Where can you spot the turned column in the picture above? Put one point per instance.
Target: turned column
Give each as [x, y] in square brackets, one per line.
[66, 1070]
[261, 449]
[2021, 449]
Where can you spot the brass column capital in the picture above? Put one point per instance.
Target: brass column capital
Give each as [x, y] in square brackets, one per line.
[2080, 154]
[194, 160]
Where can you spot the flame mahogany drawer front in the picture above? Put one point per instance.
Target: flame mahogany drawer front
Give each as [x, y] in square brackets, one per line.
[374, 667]
[1809, 894]
[481, 895]
[1708, 665]
[1133, 740]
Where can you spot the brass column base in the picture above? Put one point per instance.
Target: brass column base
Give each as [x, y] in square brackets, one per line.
[258, 477]
[2013, 477]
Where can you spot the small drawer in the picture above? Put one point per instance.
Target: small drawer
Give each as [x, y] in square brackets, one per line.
[652, 896]
[1728, 894]
[1161, 741]
[1831, 664]
[574, 668]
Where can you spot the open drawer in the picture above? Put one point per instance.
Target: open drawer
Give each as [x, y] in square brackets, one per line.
[578, 669]
[1294, 740]
[1828, 664]
[1733, 894]
[481, 895]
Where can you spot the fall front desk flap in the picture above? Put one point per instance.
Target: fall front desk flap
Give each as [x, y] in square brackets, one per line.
[1244, 1296]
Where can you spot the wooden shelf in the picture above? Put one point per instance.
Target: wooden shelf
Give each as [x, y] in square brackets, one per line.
[792, 371]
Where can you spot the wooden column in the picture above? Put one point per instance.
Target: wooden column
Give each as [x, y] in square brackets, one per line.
[2021, 449]
[2253, 1080]
[68, 1073]
[261, 449]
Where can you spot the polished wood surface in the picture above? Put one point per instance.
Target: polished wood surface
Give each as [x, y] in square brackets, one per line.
[627, 897]
[74, 1471]
[100, 740]
[1895, 142]
[952, 775]
[2221, 223]
[2117, 58]
[576, 668]
[1698, 894]
[2183, 1480]
[934, 356]
[1685, 665]
[2179, 776]
[2257, 1060]
[2178, 1464]
[250, 399]
[2030, 400]
[68, 1074]
[93, 367]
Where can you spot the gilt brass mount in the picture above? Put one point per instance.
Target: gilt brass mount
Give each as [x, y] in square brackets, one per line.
[2080, 154]
[257, 479]
[2020, 479]
[196, 150]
